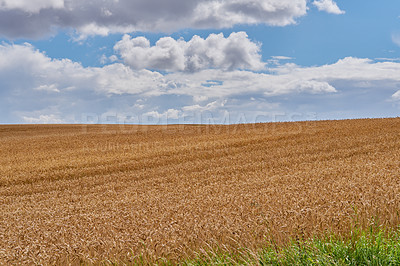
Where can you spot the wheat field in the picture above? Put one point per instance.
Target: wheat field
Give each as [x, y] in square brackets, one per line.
[96, 193]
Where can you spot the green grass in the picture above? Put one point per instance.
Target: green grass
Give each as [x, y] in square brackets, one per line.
[362, 248]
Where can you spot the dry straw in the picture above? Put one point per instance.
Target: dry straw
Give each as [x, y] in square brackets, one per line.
[73, 193]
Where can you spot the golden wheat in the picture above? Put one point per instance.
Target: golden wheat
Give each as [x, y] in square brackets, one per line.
[72, 193]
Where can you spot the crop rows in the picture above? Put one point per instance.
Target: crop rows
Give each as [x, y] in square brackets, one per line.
[71, 193]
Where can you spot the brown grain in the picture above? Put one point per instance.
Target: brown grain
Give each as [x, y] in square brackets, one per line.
[71, 193]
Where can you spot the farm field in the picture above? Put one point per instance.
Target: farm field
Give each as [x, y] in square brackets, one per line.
[92, 193]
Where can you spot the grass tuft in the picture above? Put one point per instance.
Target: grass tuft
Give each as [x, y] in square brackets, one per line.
[362, 248]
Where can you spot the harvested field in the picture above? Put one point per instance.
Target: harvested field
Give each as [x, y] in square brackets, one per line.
[72, 193]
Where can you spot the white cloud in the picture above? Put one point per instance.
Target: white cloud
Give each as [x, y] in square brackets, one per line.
[119, 79]
[396, 38]
[396, 96]
[43, 119]
[35, 86]
[209, 107]
[169, 114]
[22, 68]
[113, 58]
[103, 59]
[328, 6]
[31, 6]
[349, 69]
[216, 51]
[281, 57]
[107, 59]
[229, 13]
[49, 88]
[236, 83]
[388, 59]
[276, 60]
[33, 19]
[95, 29]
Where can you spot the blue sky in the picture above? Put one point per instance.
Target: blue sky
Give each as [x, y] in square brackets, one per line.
[183, 61]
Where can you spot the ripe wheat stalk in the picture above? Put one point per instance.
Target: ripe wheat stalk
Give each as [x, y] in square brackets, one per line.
[72, 193]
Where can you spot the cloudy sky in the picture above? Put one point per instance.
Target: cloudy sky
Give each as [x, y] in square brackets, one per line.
[203, 61]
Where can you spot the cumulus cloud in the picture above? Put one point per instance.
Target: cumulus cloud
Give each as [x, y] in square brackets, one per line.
[236, 83]
[328, 6]
[208, 107]
[30, 6]
[216, 51]
[168, 114]
[33, 19]
[34, 86]
[24, 68]
[349, 69]
[229, 13]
